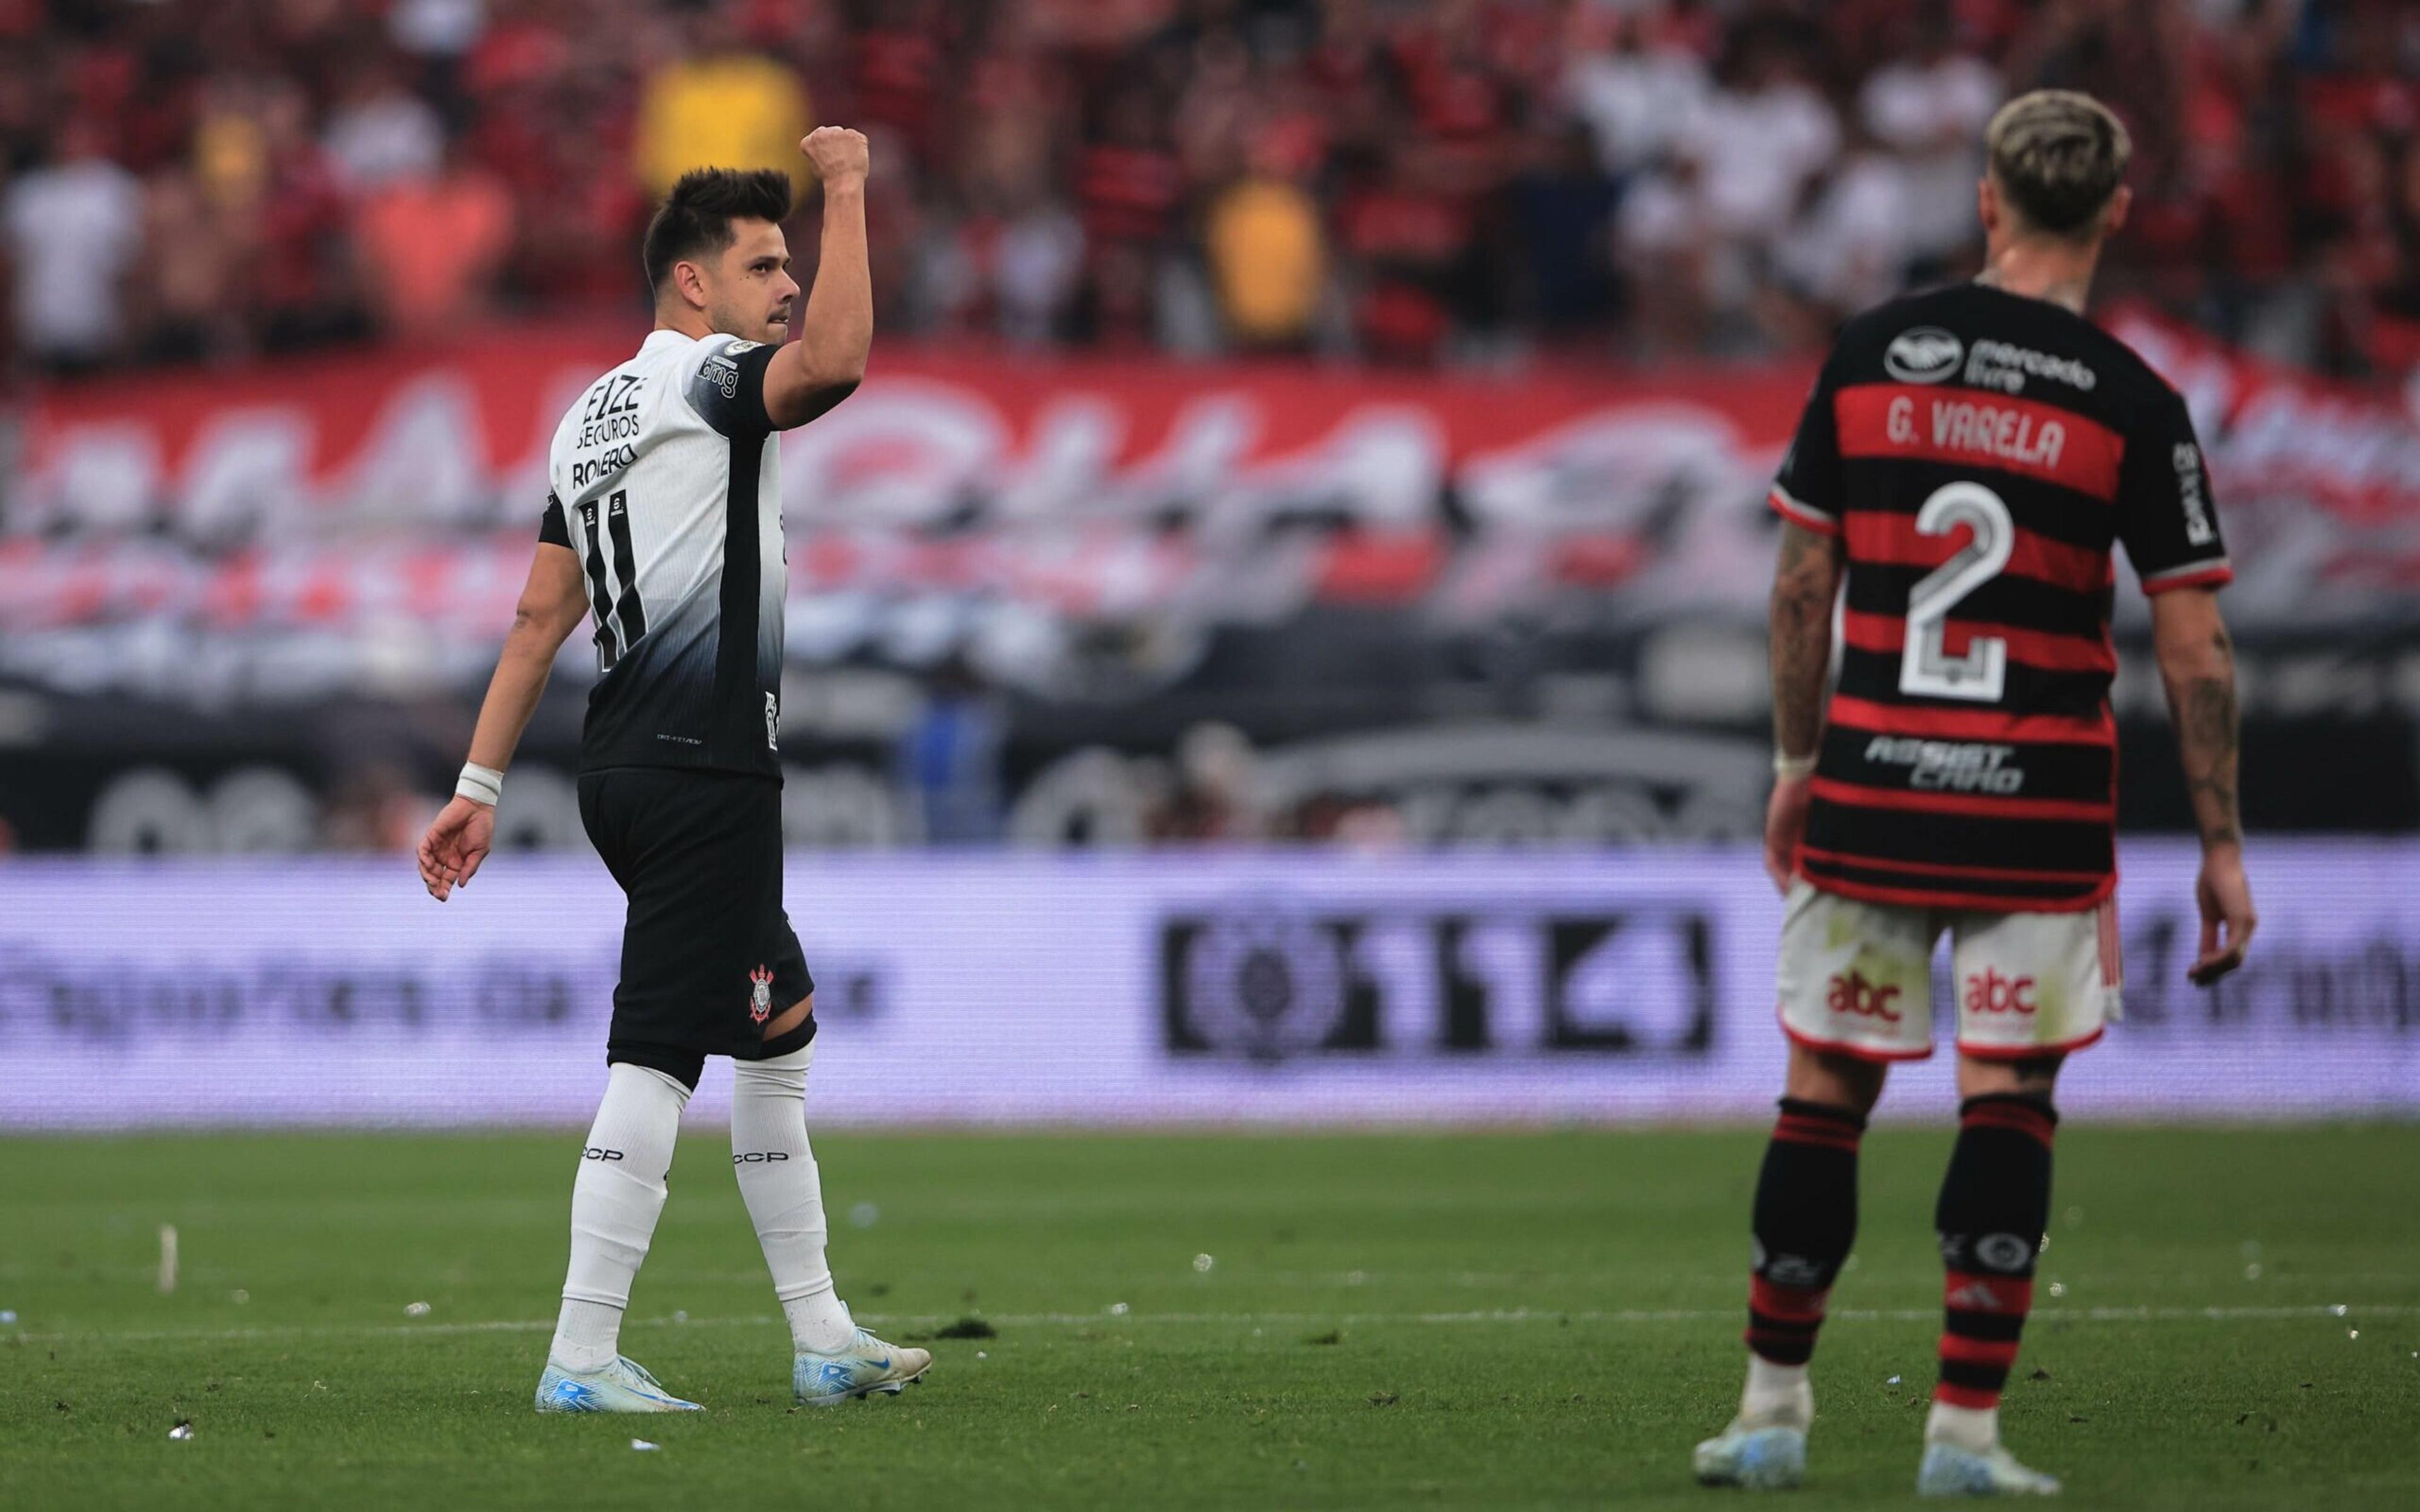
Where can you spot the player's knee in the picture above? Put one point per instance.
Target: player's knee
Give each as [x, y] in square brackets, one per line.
[1835, 1080]
[683, 1066]
[2034, 1076]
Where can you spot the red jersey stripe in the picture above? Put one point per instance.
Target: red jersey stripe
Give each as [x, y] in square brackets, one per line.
[1971, 724]
[1986, 806]
[1932, 869]
[1893, 540]
[1802, 516]
[1956, 898]
[1887, 634]
[2215, 576]
[1977, 429]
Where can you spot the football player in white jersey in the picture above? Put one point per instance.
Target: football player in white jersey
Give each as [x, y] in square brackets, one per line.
[664, 525]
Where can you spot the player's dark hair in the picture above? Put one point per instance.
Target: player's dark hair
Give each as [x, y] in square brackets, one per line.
[696, 216]
[2059, 157]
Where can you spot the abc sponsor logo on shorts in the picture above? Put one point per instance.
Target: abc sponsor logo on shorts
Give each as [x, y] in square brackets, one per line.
[1853, 993]
[1991, 993]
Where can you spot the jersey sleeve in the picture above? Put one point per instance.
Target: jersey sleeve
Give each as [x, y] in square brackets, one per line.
[552, 529]
[1807, 491]
[2167, 518]
[724, 382]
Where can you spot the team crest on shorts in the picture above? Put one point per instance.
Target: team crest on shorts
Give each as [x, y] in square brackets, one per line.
[760, 996]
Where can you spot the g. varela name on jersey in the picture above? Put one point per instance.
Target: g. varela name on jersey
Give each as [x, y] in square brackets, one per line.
[1981, 456]
[665, 482]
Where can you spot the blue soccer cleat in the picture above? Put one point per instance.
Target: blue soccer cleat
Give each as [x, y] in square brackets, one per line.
[868, 1365]
[1949, 1469]
[622, 1386]
[1771, 1457]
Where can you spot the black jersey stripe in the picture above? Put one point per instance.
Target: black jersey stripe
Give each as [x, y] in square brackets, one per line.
[632, 614]
[1880, 836]
[601, 592]
[739, 736]
[1872, 675]
[1983, 887]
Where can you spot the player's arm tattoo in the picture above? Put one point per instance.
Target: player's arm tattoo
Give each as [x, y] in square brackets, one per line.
[2202, 704]
[1801, 636]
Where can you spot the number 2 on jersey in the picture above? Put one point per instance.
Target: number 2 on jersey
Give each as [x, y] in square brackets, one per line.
[1926, 667]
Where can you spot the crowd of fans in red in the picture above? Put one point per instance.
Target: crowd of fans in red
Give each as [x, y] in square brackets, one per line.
[1408, 181]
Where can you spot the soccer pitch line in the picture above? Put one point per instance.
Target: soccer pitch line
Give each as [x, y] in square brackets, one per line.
[2333, 1311]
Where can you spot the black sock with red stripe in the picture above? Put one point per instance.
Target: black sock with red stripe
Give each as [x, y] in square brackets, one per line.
[1994, 1205]
[1806, 1220]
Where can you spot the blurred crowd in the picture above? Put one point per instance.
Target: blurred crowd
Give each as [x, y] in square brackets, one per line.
[1402, 181]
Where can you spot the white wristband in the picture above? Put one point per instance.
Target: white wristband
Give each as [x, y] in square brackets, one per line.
[1790, 768]
[480, 784]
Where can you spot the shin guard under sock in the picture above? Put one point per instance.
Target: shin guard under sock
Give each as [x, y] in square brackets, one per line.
[1994, 1205]
[1806, 1220]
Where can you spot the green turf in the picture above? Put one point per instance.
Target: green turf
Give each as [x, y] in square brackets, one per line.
[1329, 1356]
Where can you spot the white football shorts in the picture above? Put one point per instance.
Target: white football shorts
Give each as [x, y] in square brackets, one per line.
[1857, 977]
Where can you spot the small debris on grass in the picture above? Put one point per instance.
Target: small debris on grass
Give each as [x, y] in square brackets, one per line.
[879, 1288]
[238, 1296]
[182, 1431]
[1892, 1381]
[680, 1315]
[1119, 1309]
[416, 1309]
[865, 1215]
[1134, 1407]
[642, 1444]
[8, 1315]
[2338, 1310]
[2059, 1289]
[1083, 1396]
[2039, 1374]
[1202, 1263]
[2076, 1417]
[1385, 1398]
[982, 1354]
[1334, 1335]
[2252, 1273]
[62, 1407]
[968, 1328]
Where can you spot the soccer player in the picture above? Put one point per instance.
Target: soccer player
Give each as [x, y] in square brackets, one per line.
[1967, 462]
[665, 524]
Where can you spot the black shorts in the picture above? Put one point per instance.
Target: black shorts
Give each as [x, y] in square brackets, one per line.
[708, 957]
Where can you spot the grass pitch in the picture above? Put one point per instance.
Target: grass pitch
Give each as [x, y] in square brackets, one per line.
[1472, 1321]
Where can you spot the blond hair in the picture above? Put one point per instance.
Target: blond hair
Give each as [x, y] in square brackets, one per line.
[2057, 157]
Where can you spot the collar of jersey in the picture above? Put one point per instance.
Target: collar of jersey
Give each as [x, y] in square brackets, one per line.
[664, 338]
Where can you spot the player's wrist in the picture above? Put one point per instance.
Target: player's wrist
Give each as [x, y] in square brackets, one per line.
[1789, 768]
[483, 785]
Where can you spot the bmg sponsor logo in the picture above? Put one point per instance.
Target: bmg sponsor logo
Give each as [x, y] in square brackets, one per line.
[1268, 984]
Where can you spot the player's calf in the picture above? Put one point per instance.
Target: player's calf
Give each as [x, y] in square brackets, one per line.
[1994, 1203]
[1805, 1219]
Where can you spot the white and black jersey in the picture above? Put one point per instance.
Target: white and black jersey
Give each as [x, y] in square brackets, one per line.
[663, 481]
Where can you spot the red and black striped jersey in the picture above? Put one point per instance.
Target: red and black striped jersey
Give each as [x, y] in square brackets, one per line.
[1980, 453]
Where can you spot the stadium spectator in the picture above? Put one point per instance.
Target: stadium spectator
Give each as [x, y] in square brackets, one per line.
[1087, 173]
[75, 228]
[430, 247]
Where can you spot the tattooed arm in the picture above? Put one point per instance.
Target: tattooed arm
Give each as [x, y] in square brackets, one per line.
[1801, 650]
[2197, 665]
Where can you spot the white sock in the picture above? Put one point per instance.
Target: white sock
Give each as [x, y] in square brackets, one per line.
[778, 1181]
[616, 1200]
[1969, 1427]
[1776, 1394]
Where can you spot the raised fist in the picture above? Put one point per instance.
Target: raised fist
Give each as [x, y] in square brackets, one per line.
[838, 153]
